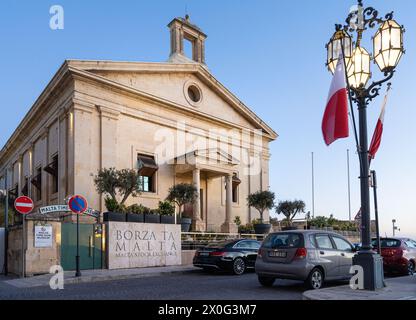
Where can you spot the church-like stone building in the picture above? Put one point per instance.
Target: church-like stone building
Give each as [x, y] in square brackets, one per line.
[171, 120]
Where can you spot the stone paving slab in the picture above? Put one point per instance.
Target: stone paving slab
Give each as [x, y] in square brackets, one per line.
[403, 288]
[100, 275]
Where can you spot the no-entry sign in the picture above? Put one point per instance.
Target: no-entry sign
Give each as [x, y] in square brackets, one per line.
[78, 204]
[23, 205]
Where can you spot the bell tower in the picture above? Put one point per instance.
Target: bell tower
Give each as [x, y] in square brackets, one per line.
[182, 29]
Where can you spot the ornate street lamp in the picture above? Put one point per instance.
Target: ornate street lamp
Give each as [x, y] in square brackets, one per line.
[358, 68]
[388, 45]
[387, 51]
[334, 48]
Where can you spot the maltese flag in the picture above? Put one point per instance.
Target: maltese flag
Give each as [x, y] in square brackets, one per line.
[335, 120]
[378, 132]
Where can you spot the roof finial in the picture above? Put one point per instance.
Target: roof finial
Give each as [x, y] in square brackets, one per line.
[360, 3]
[186, 13]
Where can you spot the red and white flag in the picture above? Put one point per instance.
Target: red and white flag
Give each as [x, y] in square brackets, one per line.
[378, 132]
[335, 120]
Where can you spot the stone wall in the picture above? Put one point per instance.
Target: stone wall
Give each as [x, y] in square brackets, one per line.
[14, 252]
[2, 250]
[188, 257]
[38, 260]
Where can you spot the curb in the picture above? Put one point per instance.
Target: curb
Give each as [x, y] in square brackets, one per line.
[44, 282]
[92, 279]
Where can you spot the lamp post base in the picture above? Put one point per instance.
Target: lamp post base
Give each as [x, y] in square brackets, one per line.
[372, 265]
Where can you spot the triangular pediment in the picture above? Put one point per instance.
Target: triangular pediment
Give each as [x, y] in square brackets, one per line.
[171, 81]
[214, 156]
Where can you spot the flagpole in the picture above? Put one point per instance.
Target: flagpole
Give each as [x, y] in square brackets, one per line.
[374, 182]
[350, 101]
[370, 157]
[313, 188]
[349, 184]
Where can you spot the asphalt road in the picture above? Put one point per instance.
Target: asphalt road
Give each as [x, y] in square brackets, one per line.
[191, 286]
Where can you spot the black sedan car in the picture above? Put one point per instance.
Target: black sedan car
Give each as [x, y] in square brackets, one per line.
[235, 256]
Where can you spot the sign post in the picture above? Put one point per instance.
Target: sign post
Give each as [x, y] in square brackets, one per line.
[24, 205]
[78, 205]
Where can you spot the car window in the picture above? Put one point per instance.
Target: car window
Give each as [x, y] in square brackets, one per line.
[323, 241]
[243, 245]
[410, 244]
[387, 243]
[283, 240]
[341, 244]
[254, 244]
[312, 241]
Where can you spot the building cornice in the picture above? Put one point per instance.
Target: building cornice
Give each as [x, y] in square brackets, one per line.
[48, 93]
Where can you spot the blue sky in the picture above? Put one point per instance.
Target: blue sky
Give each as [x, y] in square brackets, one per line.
[271, 54]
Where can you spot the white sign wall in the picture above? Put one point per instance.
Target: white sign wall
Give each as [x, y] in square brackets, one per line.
[43, 236]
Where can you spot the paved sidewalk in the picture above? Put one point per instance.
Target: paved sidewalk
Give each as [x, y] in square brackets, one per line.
[403, 288]
[99, 275]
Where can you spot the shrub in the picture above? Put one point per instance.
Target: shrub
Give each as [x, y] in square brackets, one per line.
[111, 204]
[237, 221]
[166, 208]
[246, 229]
[137, 209]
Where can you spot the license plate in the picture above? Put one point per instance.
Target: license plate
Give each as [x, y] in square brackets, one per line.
[278, 254]
[204, 254]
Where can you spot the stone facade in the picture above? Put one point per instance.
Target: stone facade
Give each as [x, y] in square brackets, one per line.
[101, 114]
[37, 260]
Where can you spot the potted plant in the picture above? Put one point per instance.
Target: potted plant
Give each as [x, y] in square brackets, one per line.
[116, 212]
[246, 229]
[262, 201]
[151, 216]
[290, 209]
[135, 213]
[167, 212]
[182, 194]
[116, 184]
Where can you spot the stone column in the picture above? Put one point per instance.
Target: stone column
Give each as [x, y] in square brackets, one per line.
[197, 221]
[229, 226]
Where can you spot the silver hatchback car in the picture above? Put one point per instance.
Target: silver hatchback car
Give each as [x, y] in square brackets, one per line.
[308, 255]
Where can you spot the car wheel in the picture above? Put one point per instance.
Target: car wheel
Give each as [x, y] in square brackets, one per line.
[315, 279]
[410, 268]
[266, 281]
[239, 266]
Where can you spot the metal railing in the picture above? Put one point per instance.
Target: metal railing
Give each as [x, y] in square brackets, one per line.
[196, 240]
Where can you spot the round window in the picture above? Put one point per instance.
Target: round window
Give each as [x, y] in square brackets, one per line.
[194, 93]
